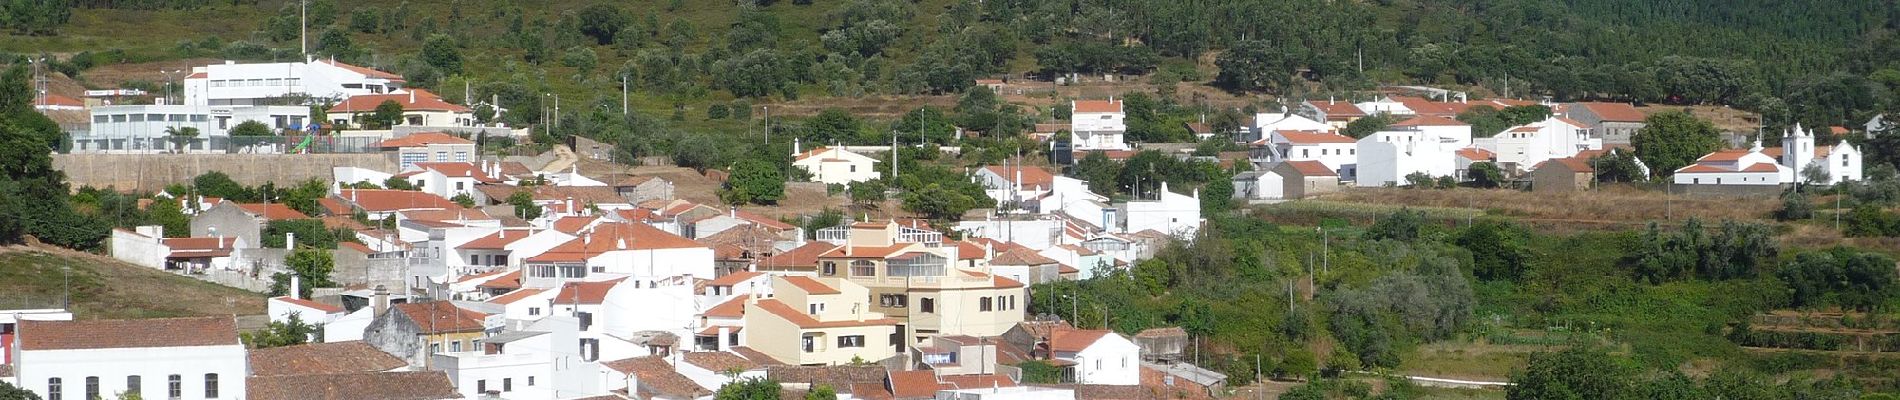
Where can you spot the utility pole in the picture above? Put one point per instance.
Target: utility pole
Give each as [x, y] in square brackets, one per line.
[303, 28]
[768, 124]
[623, 94]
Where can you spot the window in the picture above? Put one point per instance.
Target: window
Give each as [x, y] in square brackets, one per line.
[809, 344]
[461, 156]
[863, 268]
[587, 320]
[458, 186]
[1098, 363]
[534, 310]
[92, 387]
[854, 168]
[474, 259]
[132, 385]
[211, 386]
[927, 304]
[984, 304]
[531, 381]
[53, 389]
[481, 386]
[442, 156]
[138, 117]
[1306, 152]
[508, 384]
[893, 300]
[815, 308]
[851, 341]
[435, 348]
[831, 268]
[455, 346]
[177, 386]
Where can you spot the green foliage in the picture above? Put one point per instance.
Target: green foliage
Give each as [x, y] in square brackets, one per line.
[821, 392]
[749, 389]
[291, 332]
[1498, 249]
[10, 392]
[1737, 250]
[1485, 175]
[1671, 140]
[1404, 225]
[169, 214]
[1038, 371]
[38, 18]
[387, 114]
[252, 128]
[524, 205]
[1487, 121]
[1255, 65]
[936, 202]
[1618, 165]
[754, 182]
[867, 193]
[602, 22]
[441, 52]
[1360, 128]
[217, 184]
[310, 233]
[1795, 206]
[463, 200]
[312, 267]
[1575, 374]
[1840, 276]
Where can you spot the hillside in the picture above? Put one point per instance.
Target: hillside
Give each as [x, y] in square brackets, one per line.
[35, 277]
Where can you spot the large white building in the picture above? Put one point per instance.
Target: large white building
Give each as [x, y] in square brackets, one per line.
[233, 84]
[143, 128]
[1790, 163]
[1097, 125]
[1522, 147]
[164, 358]
[1338, 153]
[1171, 213]
[1424, 144]
[420, 108]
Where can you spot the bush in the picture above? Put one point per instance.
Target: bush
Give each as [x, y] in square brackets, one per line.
[1795, 206]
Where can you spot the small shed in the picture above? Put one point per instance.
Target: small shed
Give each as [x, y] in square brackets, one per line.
[1302, 179]
[1162, 344]
[1258, 185]
[1562, 175]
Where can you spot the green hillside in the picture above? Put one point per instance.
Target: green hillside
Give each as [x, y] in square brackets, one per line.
[105, 288]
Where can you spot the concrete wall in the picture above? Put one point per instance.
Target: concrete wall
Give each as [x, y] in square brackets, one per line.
[151, 172]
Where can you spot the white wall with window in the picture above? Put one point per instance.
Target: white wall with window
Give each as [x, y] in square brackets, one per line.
[198, 372]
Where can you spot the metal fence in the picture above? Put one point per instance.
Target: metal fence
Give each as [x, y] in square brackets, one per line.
[223, 145]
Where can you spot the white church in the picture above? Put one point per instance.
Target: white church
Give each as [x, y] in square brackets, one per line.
[1795, 161]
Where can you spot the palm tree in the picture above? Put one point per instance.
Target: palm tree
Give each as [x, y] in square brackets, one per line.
[181, 135]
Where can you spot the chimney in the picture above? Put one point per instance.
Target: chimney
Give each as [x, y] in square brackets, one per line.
[796, 150]
[412, 96]
[620, 243]
[988, 251]
[587, 238]
[380, 300]
[296, 286]
[724, 332]
[290, 240]
[570, 205]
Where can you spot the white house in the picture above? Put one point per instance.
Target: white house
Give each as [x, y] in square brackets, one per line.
[176, 358]
[1171, 213]
[231, 83]
[1519, 148]
[1775, 165]
[142, 128]
[429, 147]
[1266, 123]
[835, 165]
[1424, 144]
[448, 179]
[1100, 357]
[1097, 125]
[1734, 167]
[281, 308]
[1339, 153]
[1384, 105]
[619, 249]
[419, 108]
[1334, 113]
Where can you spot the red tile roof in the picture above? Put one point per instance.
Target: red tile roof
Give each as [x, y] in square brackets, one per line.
[1312, 137]
[915, 384]
[1021, 256]
[322, 358]
[719, 361]
[762, 220]
[127, 333]
[517, 295]
[58, 100]
[1477, 154]
[1032, 176]
[804, 321]
[456, 214]
[1573, 164]
[1098, 106]
[1614, 112]
[510, 280]
[1311, 168]
[809, 285]
[438, 317]
[1074, 340]
[733, 308]
[1724, 155]
[657, 378]
[865, 251]
[420, 139]
[326, 308]
[481, 276]
[459, 170]
[615, 236]
[1424, 107]
[367, 72]
[272, 211]
[194, 247]
[422, 100]
[411, 385]
[733, 278]
[802, 256]
[977, 381]
[1430, 120]
[496, 241]
[395, 200]
[585, 292]
[1337, 109]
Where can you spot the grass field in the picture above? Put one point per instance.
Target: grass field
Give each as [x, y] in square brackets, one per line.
[36, 277]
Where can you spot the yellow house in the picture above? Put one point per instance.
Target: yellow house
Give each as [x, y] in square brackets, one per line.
[819, 321]
[912, 275]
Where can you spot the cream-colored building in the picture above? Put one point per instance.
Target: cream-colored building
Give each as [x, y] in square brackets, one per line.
[912, 275]
[818, 321]
[835, 165]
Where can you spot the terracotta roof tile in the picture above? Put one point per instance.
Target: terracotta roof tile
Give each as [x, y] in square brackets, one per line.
[866, 251]
[733, 278]
[456, 214]
[657, 378]
[394, 200]
[719, 361]
[809, 285]
[756, 356]
[1337, 109]
[127, 333]
[496, 241]
[615, 236]
[420, 139]
[1615, 112]
[915, 384]
[835, 376]
[1573, 164]
[412, 385]
[1074, 340]
[1032, 176]
[459, 170]
[802, 256]
[272, 211]
[517, 295]
[1312, 137]
[1724, 155]
[977, 381]
[804, 321]
[585, 292]
[1430, 120]
[366, 71]
[1311, 168]
[1021, 256]
[437, 317]
[1477, 154]
[321, 359]
[194, 247]
[423, 100]
[1098, 106]
[733, 308]
[309, 304]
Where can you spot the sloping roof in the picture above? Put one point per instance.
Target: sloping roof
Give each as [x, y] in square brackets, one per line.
[1021, 256]
[1073, 340]
[450, 215]
[272, 211]
[422, 100]
[1032, 176]
[1337, 108]
[585, 292]
[657, 378]
[367, 72]
[1477, 154]
[1422, 106]
[977, 381]
[442, 317]
[1311, 168]
[733, 278]
[1573, 164]
[733, 308]
[192, 247]
[757, 356]
[310, 304]
[420, 139]
[1430, 120]
[517, 295]
[496, 241]
[1615, 112]
[395, 200]
[838, 377]
[809, 285]
[1098, 106]
[1312, 137]
[1776, 152]
[1724, 155]
[804, 321]
[719, 361]
[915, 384]
[410, 385]
[459, 170]
[866, 251]
[1172, 331]
[127, 333]
[54, 99]
[802, 256]
[322, 358]
[616, 236]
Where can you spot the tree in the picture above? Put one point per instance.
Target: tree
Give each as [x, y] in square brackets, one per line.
[832, 125]
[440, 51]
[1498, 249]
[1673, 139]
[1254, 65]
[398, 183]
[251, 128]
[1574, 374]
[1099, 171]
[180, 136]
[290, 332]
[867, 193]
[1038, 371]
[1485, 175]
[754, 181]
[1360, 128]
[821, 392]
[463, 200]
[1840, 276]
[10, 392]
[524, 205]
[602, 22]
[749, 389]
[312, 267]
[169, 214]
[387, 114]
[1618, 166]
[936, 202]
[1795, 206]
[1420, 180]
[1217, 196]
[217, 184]
[1403, 225]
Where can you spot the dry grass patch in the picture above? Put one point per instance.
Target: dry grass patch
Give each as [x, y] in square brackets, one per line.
[1608, 204]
